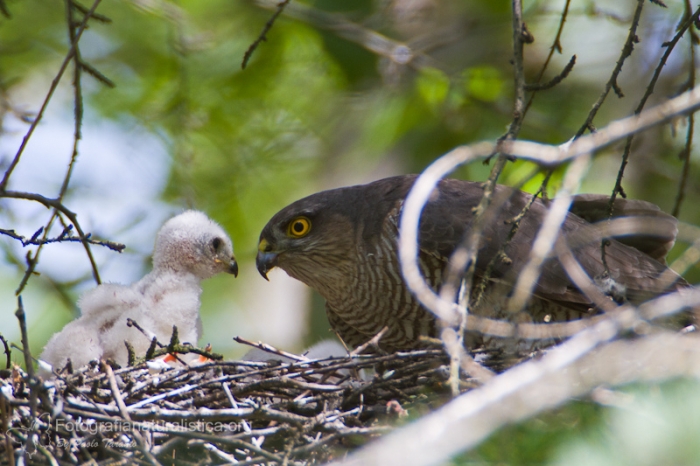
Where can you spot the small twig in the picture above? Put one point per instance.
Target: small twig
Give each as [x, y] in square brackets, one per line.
[546, 236]
[73, 54]
[186, 349]
[132, 323]
[263, 34]
[130, 354]
[33, 383]
[62, 238]
[174, 347]
[556, 46]
[464, 257]
[6, 13]
[554, 81]
[612, 82]
[47, 454]
[499, 256]
[174, 340]
[455, 346]
[117, 396]
[399, 53]
[77, 98]
[229, 395]
[221, 454]
[685, 154]
[8, 353]
[5, 424]
[57, 205]
[54, 85]
[269, 349]
[518, 70]
[96, 16]
[92, 71]
[150, 352]
[617, 189]
[162, 396]
[21, 317]
[374, 341]
[685, 172]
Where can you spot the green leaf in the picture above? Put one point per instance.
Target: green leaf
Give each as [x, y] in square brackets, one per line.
[483, 83]
[433, 86]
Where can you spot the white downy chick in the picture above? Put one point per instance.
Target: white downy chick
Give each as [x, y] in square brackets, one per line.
[189, 248]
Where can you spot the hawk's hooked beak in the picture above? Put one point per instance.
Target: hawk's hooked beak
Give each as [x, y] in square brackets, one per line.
[266, 260]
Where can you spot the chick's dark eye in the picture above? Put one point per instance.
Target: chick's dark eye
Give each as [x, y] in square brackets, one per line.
[216, 244]
[299, 227]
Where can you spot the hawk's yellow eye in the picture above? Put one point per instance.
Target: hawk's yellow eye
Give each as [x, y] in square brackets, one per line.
[299, 227]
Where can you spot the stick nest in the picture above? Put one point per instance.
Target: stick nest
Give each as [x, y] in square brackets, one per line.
[301, 412]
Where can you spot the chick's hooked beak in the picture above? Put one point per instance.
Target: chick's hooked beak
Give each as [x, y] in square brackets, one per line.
[233, 267]
[266, 259]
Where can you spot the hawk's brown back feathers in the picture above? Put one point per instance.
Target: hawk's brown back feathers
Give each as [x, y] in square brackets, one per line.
[349, 254]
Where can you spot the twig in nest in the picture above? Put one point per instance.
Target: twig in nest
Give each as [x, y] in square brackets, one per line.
[116, 394]
[25, 339]
[150, 353]
[8, 353]
[186, 349]
[152, 349]
[33, 383]
[260, 410]
[374, 341]
[157, 349]
[146, 333]
[131, 354]
[269, 349]
[174, 340]
[454, 345]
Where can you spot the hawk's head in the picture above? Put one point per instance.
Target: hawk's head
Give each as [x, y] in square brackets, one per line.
[317, 239]
[309, 239]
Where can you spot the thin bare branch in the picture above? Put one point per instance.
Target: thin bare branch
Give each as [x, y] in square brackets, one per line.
[58, 206]
[64, 237]
[52, 88]
[398, 52]
[685, 154]
[612, 82]
[649, 90]
[554, 81]
[263, 34]
[8, 353]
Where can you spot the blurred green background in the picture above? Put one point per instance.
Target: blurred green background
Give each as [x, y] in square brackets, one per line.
[324, 102]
